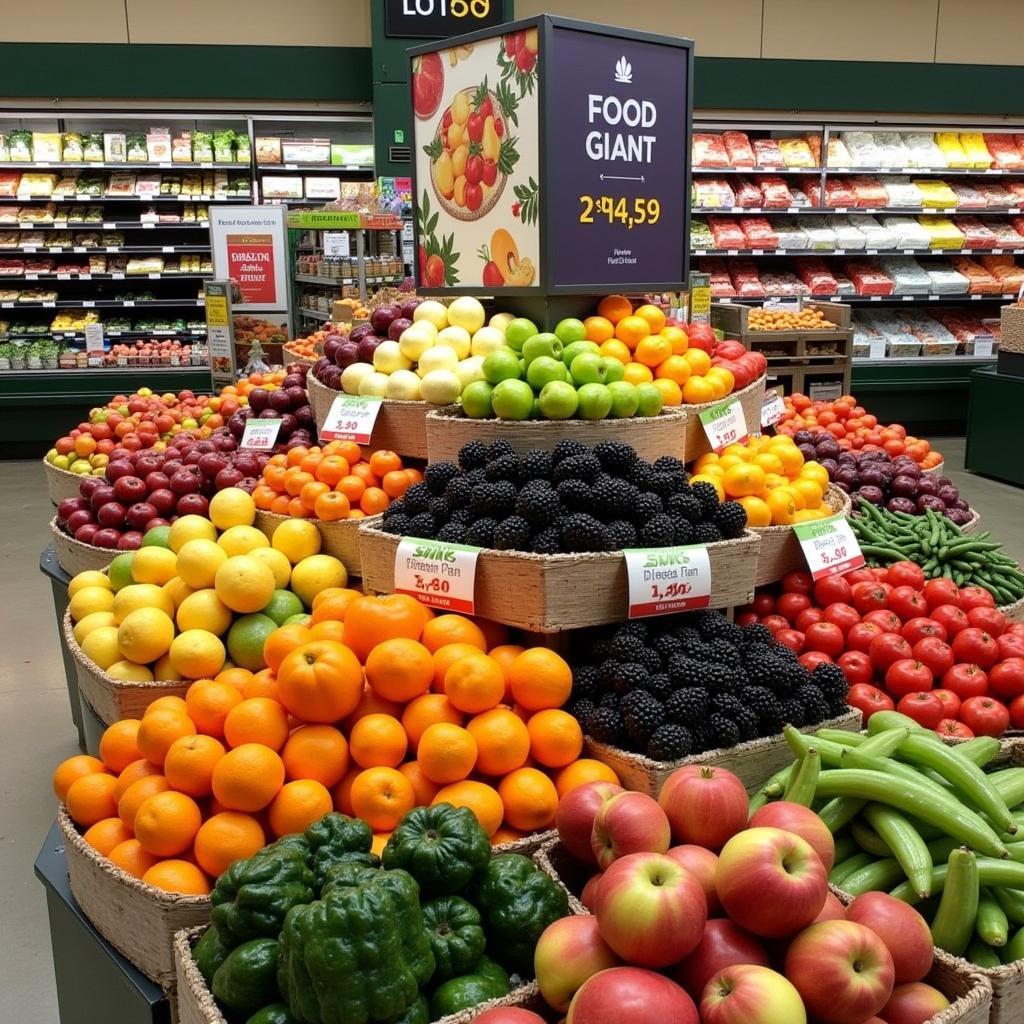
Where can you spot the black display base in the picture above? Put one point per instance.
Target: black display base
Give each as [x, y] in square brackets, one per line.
[59, 581]
[1011, 363]
[546, 310]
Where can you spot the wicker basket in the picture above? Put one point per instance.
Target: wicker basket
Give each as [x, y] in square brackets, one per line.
[340, 539]
[550, 593]
[972, 524]
[935, 470]
[527, 845]
[400, 427]
[780, 551]
[572, 875]
[74, 557]
[113, 699]
[61, 484]
[1014, 612]
[1011, 331]
[137, 919]
[753, 761]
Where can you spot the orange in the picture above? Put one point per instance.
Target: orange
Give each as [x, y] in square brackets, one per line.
[372, 704]
[614, 307]
[371, 620]
[506, 835]
[137, 794]
[481, 799]
[331, 506]
[117, 744]
[235, 676]
[363, 472]
[384, 461]
[671, 393]
[380, 796]
[540, 679]
[599, 329]
[632, 331]
[556, 738]
[445, 657]
[678, 337]
[166, 823]
[330, 469]
[423, 789]
[343, 790]
[530, 799]
[373, 501]
[502, 739]
[395, 483]
[378, 740]
[637, 373]
[107, 834]
[474, 683]
[328, 629]
[446, 753]
[226, 837]
[318, 752]
[652, 350]
[91, 798]
[400, 669]
[282, 642]
[167, 704]
[743, 479]
[132, 773]
[504, 655]
[333, 605]
[699, 360]
[159, 729]
[351, 486]
[698, 390]
[615, 349]
[190, 762]
[782, 505]
[452, 629]
[380, 840]
[131, 858]
[758, 511]
[260, 684]
[674, 368]
[248, 777]
[297, 805]
[810, 491]
[73, 768]
[257, 720]
[178, 876]
[209, 701]
[653, 315]
[424, 712]
[580, 772]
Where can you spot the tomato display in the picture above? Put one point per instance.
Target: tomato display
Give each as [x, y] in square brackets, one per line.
[923, 707]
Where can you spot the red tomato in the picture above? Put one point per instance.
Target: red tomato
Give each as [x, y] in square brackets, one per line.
[917, 629]
[907, 603]
[868, 596]
[845, 616]
[941, 591]
[950, 701]
[887, 621]
[987, 717]
[976, 597]
[812, 659]
[869, 699]
[746, 618]
[862, 575]
[966, 681]
[880, 573]
[936, 654]
[950, 617]
[975, 645]
[832, 589]
[886, 649]
[791, 603]
[826, 637]
[948, 728]
[763, 603]
[791, 638]
[1015, 628]
[990, 620]
[860, 636]
[1017, 713]
[908, 675]
[905, 574]
[798, 583]
[1011, 643]
[1007, 678]
[856, 666]
[807, 618]
[923, 707]
[775, 623]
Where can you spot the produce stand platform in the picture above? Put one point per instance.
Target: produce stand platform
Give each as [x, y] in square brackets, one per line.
[59, 581]
[95, 984]
[995, 424]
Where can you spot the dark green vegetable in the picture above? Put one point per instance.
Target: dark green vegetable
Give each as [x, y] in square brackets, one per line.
[247, 980]
[418, 1013]
[461, 993]
[954, 921]
[275, 1013]
[488, 968]
[209, 953]
[335, 838]
[455, 934]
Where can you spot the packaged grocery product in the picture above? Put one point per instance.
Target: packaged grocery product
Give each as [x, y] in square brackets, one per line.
[9, 214]
[37, 184]
[814, 144]
[115, 147]
[901, 192]
[980, 281]
[789, 233]
[907, 232]
[891, 150]
[242, 151]
[224, 146]
[759, 233]
[181, 148]
[158, 145]
[996, 196]
[19, 143]
[709, 193]
[964, 326]
[721, 283]
[1007, 234]
[815, 273]
[92, 147]
[202, 146]
[848, 236]
[923, 151]
[9, 182]
[899, 340]
[268, 150]
[46, 146]
[840, 192]
[10, 239]
[952, 150]
[796, 153]
[838, 154]
[1016, 189]
[934, 338]
[71, 147]
[800, 198]
[935, 193]
[908, 276]
[67, 186]
[746, 193]
[5, 153]
[700, 234]
[784, 284]
[282, 187]
[863, 335]
[746, 279]
[819, 234]
[812, 189]
[1005, 154]
[776, 193]
[967, 196]
[709, 150]
[870, 193]
[767, 153]
[977, 234]
[727, 233]
[147, 185]
[863, 151]
[1005, 271]
[974, 147]
[306, 151]
[135, 148]
[91, 184]
[868, 278]
[942, 233]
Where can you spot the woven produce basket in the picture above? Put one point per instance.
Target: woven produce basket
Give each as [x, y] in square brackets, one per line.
[61, 484]
[550, 593]
[340, 539]
[1011, 329]
[137, 919]
[74, 557]
[113, 699]
[972, 524]
[572, 875]
[754, 761]
[780, 551]
[527, 845]
[935, 470]
[400, 426]
[1014, 612]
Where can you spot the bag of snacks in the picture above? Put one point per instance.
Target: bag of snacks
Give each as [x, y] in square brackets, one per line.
[907, 274]
[784, 284]
[844, 286]
[759, 234]
[922, 150]
[814, 144]
[952, 150]
[974, 147]
[796, 153]
[867, 278]
[967, 196]
[869, 192]
[746, 193]
[708, 150]
[776, 193]
[767, 153]
[700, 235]
[944, 280]
[712, 193]
[977, 234]
[996, 197]
[892, 152]
[726, 232]
[907, 233]
[862, 148]
[1005, 153]
[721, 283]
[901, 192]
[1005, 271]
[838, 154]
[746, 280]
[848, 236]
[935, 194]
[815, 273]
[980, 281]
[840, 192]
[789, 233]
[942, 233]
[819, 234]
[1007, 235]
[737, 145]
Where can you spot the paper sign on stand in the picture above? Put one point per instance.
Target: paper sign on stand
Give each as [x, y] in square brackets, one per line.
[260, 435]
[94, 344]
[437, 574]
[351, 418]
[724, 425]
[773, 409]
[336, 243]
[829, 546]
[876, 348]
[666, 580]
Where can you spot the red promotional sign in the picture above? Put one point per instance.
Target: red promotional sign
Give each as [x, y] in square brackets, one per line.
[251, 264]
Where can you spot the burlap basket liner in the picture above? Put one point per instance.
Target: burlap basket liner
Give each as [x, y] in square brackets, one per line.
[74, 557]
[550, 593]
[935, 470]
[340, 538]
[561, 866]
[400, 426]
[1011, 329]
[61, 484]
[1014, 612]
[113, 699]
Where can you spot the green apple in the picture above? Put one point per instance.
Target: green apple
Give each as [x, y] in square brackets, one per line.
[577, 348]
[595, 401]
[570, 329]
[558, 400]
[614, 370]
[650, 400]
[501, 365]
[541, 345]
[588, 368]
[476, 400]
[60, 461]
[543, 370]
[512, 400]
[519, 331]
[625, 400]
[535, 410]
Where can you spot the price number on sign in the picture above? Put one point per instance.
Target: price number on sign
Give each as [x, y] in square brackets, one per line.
[351, 418]
[724, 425]
[666, 580]
[773, 409]
[260, 435]
[829, 546]
[619, 210]
[432, 584]
[437, 574]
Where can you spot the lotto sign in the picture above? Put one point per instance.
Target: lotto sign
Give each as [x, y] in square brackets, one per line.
[351, 418]
[437, 574]
[260, 435]
[666, 580]
[724, 425]
[829, 546]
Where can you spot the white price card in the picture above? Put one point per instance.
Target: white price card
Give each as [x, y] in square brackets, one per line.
[829, 546]
[724, 425]
[436, 573]
[94, 344]
[351, 418]
[876, 348]
[773, 409]
[666, 580]
[260, 435]
[983, 347]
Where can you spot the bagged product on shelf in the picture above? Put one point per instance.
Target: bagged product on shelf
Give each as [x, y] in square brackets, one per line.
[71, 147]
[796, 153]
[135, 148]
[121, 183]
[977, 234]
[709, 151]
[727, 233]
[863, 334]
[737, 146]
[10, 239]
[746, 279]
[46, 146]
[9, 183]
[848, 235]
[37, 184]
[92, 147]
[974, 147]
[1005, 271]
[964, 326]
[700, 235]
[746, 193]
[767, 153]
[942, 233]
[784, 284]
[935, 193]
[813, 141]
[720, 283]
[800, 197]
[812, 189]
[867, 278]
[9, 214]
[789, 233]
[1008, 234]
[158, 145]
[907, 233]
[891, 150]
[1016, 189]
[709, 193]
[838, 154]
[19, 144]
[870, 192]
[967, 196]
[5, 153]
[819, 234]
[935, 339]
[980, 281]
[899, 341]
[815, 273]
[776, 193]
[1004, 151]
[67, 186]
[923, 151]
[759, 233]
[840, 192]
[181, 148]
[945, 280]
[863, 151]
[952, 150]
[268, 150]
[242, 151]
[901, 192]
[224, 146]
[202, 146]
[996, 196]
[908, 276]
[37, 214]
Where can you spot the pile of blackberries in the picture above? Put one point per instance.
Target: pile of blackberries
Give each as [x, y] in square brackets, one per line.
[679, 685]
[571, 499]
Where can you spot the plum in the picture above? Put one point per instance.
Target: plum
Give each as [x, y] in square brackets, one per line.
[901, 505]
[870, 493]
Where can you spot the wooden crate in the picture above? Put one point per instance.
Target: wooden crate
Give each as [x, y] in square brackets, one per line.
[732, 319]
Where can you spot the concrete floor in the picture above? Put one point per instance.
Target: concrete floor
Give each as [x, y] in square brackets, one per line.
[36, 730]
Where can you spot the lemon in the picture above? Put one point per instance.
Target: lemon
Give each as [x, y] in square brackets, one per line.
[316, 573]
[95, 620]
[141, 595]
[240, 540]
[100, 646]
[296, 539]
[279, 565]
[188, 528]
[178, 590]
[204, 610]
[246, 639]
[120, 571]
[196, 654]
[232, 507]
[163, 670]
[198, 562]
[244, 584]
[154, 565]
[128, 671]
[89, 600]
[144, 635]
[89, 578]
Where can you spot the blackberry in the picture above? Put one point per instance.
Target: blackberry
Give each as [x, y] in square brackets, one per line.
[668, 464]
[724, 704]
[706, 533]
[609, 700]
[713, 625]
[783, 652]
[395, 508]
[577, 467]
[707, 498]
[535, 465]
[512, 534]
[756, 633]
[701, 737]
[599, 648]
[612, 497]
[584, 681]
[503, 498]
[581, 532]
[684, 671]
[629, 675]
[439, 509]
[477, 476]
[498, 449]
[480, 533]
[566, 450]
[581, 710]
[793, 712]
[657, 532]
[417, 498]
[688, 706]
[641, 716]
[547, 541]
[650, 659]
[640, 474]
[682, 530]
[605, 725]
[831, 681]
[666, 645]
[763, 671]
[647, 506]
[716, 678]
[723, 652]
[667, 484]
[574, 494]
[607, 670]
[622, 534]
[687, 506]
[635, 628]
[453, 533]
[423, 525]
[749, 723]
[757, 652]
[813, 702]
[789, 677]
[689, 639]
[670, 743]
[626, 646]
[458, 492]
[539, 506]
[398, 523]
[731, 518]
[463, 516]
[472, 454]
[438, 475]
[615, 457]
[724, 731]
[505, 468]
[658, 685]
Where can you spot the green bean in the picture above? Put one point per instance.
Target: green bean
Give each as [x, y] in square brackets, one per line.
[982, 955]
[840, 811]
[868, 839]
[991, 872]
[1011, 902]
[804, 781]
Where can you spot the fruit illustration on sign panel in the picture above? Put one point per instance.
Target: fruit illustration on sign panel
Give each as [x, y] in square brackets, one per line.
[427, 84]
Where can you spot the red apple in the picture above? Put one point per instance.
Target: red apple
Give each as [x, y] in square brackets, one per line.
[705, 805]
[801, 821]
[903, 930]
[508, 1015]
[574, 818]
[751, 994]
[628, 823]
[770, 882]
[913, 1003]
[568, 952]
[703, 865]
[842, 970]
[722, 945]
[650, 909]
[833, 910]
[589, 895]
[631, 995]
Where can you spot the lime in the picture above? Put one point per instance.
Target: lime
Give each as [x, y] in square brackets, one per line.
[282, 606]
[120, 571]
[158, 537]
[246, 639]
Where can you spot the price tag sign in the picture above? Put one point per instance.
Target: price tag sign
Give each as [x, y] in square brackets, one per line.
[94, 344]
[773, 409]
[724, 425]
[351, 418]
[876, 348]
[666, 580]
[437, 574]
[260, 435]
[829, 546]
[983, 347]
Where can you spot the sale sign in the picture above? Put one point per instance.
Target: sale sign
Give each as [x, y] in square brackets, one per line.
[351, 418]
[829, 546]
[437, 574]
[250, 249]
[666, 580]
[724, 425]
[251, 264]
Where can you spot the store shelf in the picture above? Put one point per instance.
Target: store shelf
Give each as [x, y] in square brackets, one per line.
[817, 211]
[760, 170]
[104, 225]
[313, 279]
[162, 275]
[314, 314]
[315, 168]
[866, 299]
[97, 200]
[967, 361]
[135, 165]
[103, 304]
[959, 172]
[85, 249]
[855, 252]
